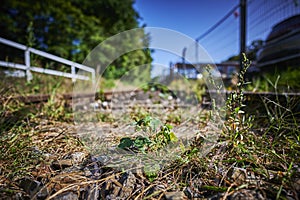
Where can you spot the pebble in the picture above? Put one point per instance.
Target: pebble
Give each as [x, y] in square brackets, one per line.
[66, 196]
[247, 194]
[62, 164]
[175, 196]
[239, 175]
[77, 157]
[33, 188]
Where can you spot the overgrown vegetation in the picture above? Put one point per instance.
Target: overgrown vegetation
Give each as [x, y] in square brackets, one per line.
[158, 137]
[248, 156]
[40, 84]
[255, 157]
[279, 81]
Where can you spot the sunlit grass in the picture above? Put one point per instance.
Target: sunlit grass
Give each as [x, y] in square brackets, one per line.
[257, 151]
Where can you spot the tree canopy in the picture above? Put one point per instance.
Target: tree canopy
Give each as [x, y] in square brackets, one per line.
[72, 28]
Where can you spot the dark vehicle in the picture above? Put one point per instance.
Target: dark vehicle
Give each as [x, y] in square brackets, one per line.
[282, 44]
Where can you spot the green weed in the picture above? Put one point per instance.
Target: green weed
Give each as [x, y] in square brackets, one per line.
[267, 150]
[157, 137]
[238, 124]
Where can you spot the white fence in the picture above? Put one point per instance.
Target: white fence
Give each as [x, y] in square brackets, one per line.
[28, 68]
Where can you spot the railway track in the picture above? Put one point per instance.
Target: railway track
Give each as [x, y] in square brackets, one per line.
[140, 97]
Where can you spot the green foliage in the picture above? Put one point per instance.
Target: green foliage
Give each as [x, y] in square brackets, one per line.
[199, 88]
[139, 143]
[126, 143]
[144, 144]
[12, 112]
[174, 118]
[151, 171]
[30, 35]
[163, 90]
[153, 86]
[148, 124]
[165, 136]
[155, 141]
[16, 148]
[104, 117]
[134, 66]
[71, 29]
[268, 151]
[286, 81]
[55, 108]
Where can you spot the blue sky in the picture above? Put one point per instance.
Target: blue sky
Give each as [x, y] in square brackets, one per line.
[189, 17]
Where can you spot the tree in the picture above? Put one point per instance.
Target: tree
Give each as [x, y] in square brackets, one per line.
[70, 29]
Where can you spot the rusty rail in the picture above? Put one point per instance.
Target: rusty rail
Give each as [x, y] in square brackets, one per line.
[109, 95]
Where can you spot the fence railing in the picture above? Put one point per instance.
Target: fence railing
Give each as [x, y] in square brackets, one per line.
[28, 68]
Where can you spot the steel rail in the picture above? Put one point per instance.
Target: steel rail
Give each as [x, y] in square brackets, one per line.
[109, 95]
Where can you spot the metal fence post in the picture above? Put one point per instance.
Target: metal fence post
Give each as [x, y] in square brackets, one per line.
[243, 32]
[27, 63]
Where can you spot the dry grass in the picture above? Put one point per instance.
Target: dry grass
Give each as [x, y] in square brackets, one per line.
[250, 161]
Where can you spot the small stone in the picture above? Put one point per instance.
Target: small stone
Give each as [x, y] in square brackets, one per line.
[62, 164]
[247, 194]
[104, 159]
[77, 157]
[92, 193]
[296, 184]
[87, 172]
[175, 196]
[36, 150]
[94, 105]
[33, 187]
[48, 156]
[128, 185]
[105, 104]
[239, 175]
[66, 196]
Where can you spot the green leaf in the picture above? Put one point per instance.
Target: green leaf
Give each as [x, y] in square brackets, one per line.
[173, 137]
[236, 110]
[141, 142]
[126, 143]
[154, 123]
[169, 126]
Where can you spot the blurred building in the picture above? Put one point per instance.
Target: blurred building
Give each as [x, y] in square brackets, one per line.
[226, 70]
